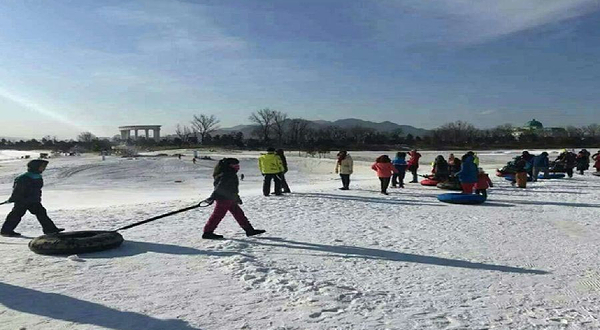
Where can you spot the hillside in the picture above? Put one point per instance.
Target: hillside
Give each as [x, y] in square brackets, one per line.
[385, 126]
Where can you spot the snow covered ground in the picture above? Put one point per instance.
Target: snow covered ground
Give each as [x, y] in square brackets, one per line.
[331, 259]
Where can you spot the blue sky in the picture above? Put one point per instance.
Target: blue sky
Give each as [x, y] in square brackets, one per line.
[70, 66]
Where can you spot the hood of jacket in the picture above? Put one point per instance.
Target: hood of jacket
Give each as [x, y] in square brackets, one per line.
[34, 165]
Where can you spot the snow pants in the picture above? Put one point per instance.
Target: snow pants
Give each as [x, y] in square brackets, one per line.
[467, 187]
[398, 179]
[284, 184]
[569, 172]
[267, 184]
[345, 181]
[14, 217]
[221, 209]
[537, 170]
[413, 170]
[521, 179]
[385, 183]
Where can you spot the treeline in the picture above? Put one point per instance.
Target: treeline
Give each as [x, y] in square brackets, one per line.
[275, 128]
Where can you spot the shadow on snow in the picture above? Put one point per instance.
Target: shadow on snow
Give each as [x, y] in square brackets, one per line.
[345, 251]
[132, 248]
[61, 307]
[382, 200]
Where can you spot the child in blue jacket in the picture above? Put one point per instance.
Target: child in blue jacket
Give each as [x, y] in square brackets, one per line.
[400, 164]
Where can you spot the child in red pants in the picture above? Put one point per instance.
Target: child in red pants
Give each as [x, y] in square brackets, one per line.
[227, 199]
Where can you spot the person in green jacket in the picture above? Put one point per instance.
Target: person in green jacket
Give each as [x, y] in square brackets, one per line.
[27, 196]
[271, 167]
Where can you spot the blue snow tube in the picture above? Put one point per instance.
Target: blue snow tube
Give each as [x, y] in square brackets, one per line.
[469, 199]
[552, 176]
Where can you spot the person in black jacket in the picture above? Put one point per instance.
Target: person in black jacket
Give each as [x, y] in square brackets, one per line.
[27, 196]
[569, 159]
[284, 184]
[441, 169]
[227, 199]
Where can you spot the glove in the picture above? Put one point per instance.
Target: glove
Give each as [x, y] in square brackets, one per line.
[209, 201]
[239, 200]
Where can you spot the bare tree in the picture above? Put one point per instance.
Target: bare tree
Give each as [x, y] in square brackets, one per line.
[86, 137]
[575, 132]
[593, 130]
[297, 131]
[279, 123]
[183, 133]
[264, 118]
[360, 133]
[458, 132]
[204, 125]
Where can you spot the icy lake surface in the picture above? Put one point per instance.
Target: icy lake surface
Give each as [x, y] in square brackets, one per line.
[331, 259]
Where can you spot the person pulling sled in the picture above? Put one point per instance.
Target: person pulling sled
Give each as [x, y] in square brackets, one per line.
[27, 196]
[227, 199]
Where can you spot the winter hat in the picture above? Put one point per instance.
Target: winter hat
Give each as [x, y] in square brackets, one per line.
[270, 149]
[34, 165]
[225, 165]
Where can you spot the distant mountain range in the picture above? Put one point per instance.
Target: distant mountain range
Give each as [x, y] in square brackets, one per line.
[385, 127]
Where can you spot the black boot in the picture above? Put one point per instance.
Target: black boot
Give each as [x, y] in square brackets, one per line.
[10, 234]
[211, 235]
[252, 232]
[53, 231]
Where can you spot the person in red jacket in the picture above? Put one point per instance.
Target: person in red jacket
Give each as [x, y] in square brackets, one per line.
[227, 198]
[596, 158]
[384, 168]
[483, 183]
[413, 164]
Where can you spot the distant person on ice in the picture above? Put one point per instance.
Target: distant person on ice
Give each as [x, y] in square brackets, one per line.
[344, 166]
[520, 172]
[413, 164]
[284, 184]
[569, 159]
[227, 199]
[441, 171]
[541, 164]
[483, 183]
[467, 174]
[400, 164]
[27, 196]
[384, 168]
[583, 161]
[596, 158]
[271, 167]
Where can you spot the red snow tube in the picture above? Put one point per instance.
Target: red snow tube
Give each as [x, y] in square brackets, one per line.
[429, 182]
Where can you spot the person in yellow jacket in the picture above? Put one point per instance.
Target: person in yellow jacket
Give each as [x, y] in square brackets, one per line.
[271, 167]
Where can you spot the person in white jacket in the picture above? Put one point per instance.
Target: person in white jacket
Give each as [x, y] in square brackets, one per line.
[344, 166]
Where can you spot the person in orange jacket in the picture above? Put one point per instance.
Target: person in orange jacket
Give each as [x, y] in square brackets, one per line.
[384, 168]
[483, 183]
